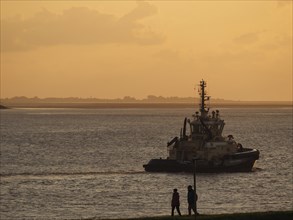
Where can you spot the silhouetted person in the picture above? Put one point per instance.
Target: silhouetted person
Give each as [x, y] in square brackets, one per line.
[191, 199]
[175, 203]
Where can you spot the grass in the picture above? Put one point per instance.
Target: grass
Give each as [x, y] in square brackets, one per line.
[273, 215]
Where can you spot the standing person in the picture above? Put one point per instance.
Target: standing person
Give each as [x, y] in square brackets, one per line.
[175, 203]
[191, 199]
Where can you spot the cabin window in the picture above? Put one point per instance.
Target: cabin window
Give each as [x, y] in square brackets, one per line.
[195, 129]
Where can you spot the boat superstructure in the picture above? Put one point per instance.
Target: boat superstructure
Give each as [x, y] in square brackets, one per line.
[204, 143]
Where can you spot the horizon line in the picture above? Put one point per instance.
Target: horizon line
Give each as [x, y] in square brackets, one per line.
[134, 99]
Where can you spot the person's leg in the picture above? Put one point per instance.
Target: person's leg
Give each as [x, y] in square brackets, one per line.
[172, 213]
[178, 210]
[189, 209]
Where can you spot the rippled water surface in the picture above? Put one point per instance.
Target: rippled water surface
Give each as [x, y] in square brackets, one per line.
[86, 163]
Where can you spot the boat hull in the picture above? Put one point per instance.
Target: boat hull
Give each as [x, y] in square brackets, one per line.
[238, 162]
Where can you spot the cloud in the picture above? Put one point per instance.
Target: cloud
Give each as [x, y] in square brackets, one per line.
[142, 10]
[78, 26]
[248, 38]
[243, 56]
[282, 3]
[281, 41]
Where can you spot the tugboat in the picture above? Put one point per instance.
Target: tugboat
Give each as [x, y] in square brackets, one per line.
[204, 146]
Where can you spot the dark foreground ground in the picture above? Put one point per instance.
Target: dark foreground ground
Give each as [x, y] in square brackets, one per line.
[274, 215]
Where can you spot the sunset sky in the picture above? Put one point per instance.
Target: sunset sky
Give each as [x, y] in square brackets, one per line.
[112, 49]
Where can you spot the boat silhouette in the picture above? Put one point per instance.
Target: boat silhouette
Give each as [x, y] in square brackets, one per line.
[206, 145]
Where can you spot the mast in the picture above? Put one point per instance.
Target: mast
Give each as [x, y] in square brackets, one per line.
[203, 97]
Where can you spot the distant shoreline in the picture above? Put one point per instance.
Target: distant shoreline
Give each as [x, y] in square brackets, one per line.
[149, 105]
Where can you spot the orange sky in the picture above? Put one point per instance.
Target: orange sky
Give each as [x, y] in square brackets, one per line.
[114, 49]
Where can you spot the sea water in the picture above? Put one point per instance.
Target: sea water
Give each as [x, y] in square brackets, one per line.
[87, 163]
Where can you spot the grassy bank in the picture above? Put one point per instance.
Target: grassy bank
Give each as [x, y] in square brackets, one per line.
[274, 215]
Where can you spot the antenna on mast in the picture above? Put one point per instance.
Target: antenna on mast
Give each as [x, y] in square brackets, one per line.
[203, 98]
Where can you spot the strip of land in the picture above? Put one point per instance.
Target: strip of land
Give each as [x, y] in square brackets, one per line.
[274, 215]
[149, 105]
[131, 102]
